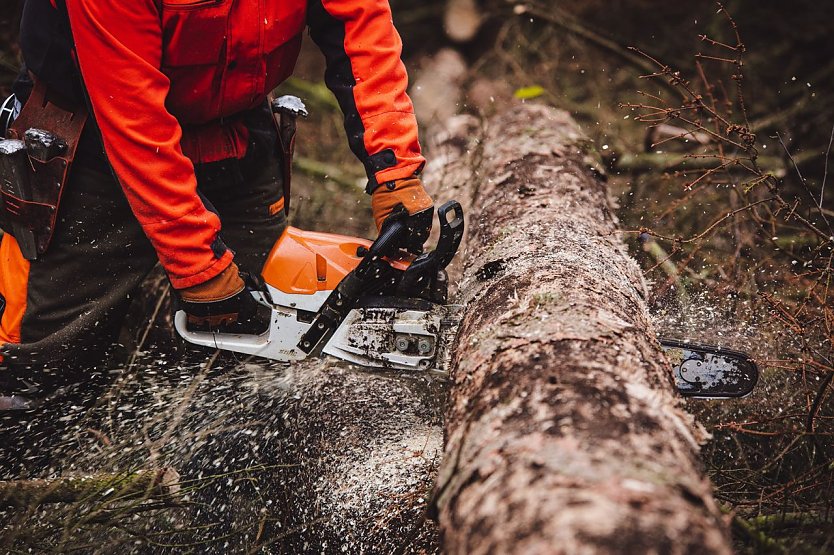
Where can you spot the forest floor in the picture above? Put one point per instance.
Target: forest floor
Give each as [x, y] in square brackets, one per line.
[723, 270]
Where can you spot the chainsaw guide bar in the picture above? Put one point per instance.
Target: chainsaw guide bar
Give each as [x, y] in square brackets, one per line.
[709, 372]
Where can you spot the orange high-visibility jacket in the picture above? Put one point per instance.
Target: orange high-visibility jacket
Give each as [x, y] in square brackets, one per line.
[165, 79]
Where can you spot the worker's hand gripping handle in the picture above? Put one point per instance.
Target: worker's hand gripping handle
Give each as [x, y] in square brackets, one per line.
[235, 342]
[386, 244]
[373, 271]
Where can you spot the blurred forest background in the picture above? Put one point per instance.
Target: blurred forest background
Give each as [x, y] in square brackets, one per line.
[715, 130]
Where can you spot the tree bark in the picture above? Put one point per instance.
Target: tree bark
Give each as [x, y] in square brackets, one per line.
[563, 432]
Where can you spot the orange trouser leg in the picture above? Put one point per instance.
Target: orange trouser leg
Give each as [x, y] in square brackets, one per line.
[14, 277]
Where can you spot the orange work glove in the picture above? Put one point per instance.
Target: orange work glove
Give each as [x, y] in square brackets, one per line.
[408, 193]
[220, 301]
[405, 198]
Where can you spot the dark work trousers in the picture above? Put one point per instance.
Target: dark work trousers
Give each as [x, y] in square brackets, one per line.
[78, 293]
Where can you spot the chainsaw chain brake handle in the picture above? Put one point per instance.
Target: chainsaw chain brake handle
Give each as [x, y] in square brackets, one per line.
[374, 271]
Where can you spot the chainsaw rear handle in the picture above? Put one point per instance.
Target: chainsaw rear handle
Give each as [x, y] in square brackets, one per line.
[238, 342]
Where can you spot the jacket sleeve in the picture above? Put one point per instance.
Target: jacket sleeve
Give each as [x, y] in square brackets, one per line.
[119, 49]
[364, 70]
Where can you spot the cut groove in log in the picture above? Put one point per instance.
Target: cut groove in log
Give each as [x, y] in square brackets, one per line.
[563, 433]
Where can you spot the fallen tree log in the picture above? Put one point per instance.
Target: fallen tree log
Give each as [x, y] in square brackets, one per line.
[563, 433]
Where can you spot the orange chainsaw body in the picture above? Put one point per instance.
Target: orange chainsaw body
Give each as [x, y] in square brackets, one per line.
[306, 262]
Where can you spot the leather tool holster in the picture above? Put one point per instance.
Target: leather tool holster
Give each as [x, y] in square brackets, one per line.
[35, 160]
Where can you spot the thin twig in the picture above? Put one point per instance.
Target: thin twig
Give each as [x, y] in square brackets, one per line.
[825, 173]
[804, 183]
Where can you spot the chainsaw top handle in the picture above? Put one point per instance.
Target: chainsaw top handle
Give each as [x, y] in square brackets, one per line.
[450, 216]
[425, 268]
[367, 276]
[388, 241]
[451, 232]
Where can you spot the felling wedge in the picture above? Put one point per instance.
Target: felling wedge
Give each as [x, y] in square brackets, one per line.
[364, 302]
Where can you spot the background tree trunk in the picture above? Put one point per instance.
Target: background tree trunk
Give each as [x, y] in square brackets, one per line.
[563, 433]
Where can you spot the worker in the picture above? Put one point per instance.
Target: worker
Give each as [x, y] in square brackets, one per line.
[178, 159]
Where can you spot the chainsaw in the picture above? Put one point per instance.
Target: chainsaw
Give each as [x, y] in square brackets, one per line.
[374, 306]
[364, 302]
